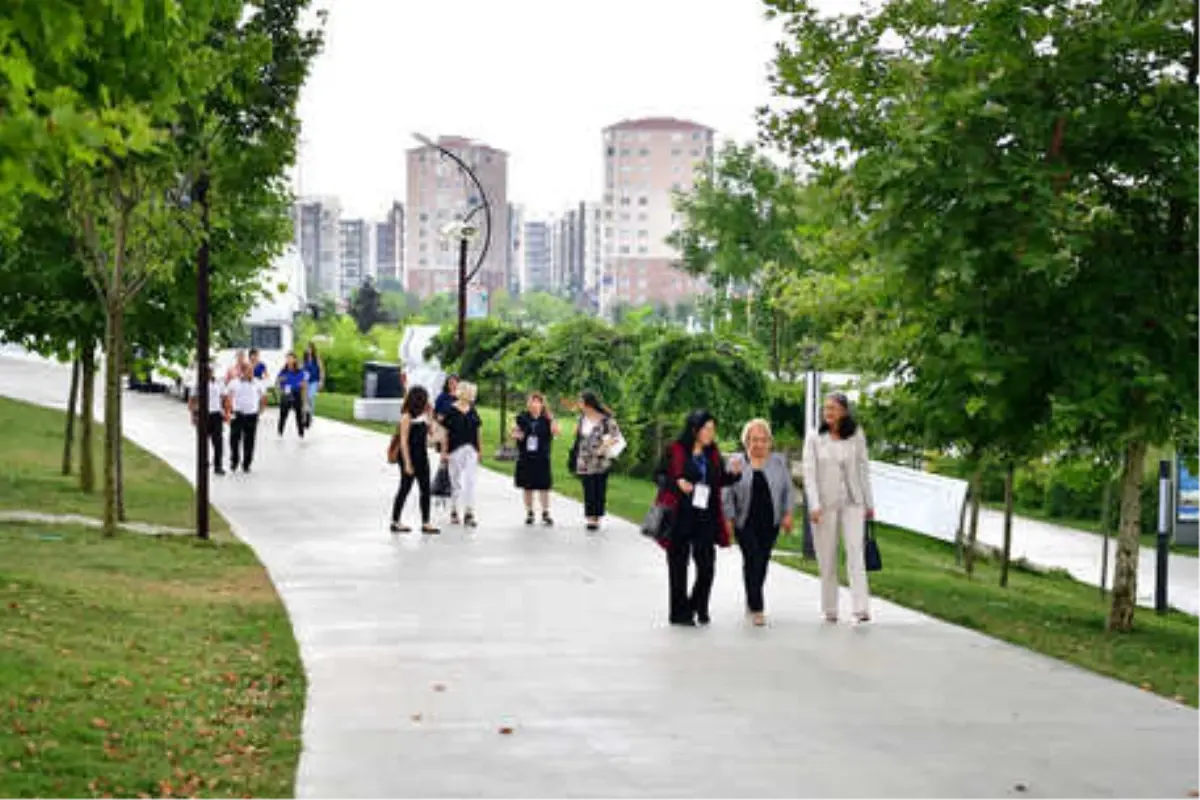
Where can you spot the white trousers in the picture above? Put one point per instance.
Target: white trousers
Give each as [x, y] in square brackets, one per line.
[825, 541]
[464, 469]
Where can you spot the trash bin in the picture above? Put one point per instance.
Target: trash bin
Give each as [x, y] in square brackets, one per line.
[382, 380]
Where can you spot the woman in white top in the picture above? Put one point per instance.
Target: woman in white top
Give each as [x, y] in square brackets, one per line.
[837, 482]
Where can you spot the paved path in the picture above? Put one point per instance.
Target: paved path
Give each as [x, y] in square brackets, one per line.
[561, 636]
[1079, 553]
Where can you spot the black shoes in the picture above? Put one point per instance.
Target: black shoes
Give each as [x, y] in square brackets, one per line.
[546, 520]
[529, 517]
[469, 521]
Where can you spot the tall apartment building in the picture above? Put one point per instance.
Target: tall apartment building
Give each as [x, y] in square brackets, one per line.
[389, 246]
[357, 265]
[577, 254]
[645, 162]
[316, 223]
[438, 193]
[538, 271]
[514, 267]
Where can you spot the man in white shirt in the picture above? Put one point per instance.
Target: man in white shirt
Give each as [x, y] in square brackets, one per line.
[248, 400]
[218, 414]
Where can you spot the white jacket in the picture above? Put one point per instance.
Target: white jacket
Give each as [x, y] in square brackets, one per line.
[837, 472]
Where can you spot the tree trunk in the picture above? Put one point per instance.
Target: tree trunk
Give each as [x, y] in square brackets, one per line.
[1010, 474]
[69, 433]
[969, 551]
[119, 440]
[1124, 590]
[112, 429]
[87, 412]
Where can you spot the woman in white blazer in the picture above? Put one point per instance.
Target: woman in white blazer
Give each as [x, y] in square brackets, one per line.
[837, 482]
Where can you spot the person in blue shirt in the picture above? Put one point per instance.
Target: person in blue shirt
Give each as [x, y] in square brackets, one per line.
[293, 386]
[445, 401]
[260, 369]
[314, 371]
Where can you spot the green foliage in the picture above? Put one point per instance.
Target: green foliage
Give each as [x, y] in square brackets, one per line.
[487, 342]
[344, 350]
[366, 308]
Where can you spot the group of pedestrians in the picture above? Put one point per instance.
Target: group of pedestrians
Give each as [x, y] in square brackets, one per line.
[708, 501]
[239, 396]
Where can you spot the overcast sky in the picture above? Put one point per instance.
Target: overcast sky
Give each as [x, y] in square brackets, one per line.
[537, 78]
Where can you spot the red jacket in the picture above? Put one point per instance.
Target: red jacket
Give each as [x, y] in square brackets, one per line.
[670, 496]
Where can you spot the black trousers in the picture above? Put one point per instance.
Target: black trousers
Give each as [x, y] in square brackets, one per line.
[420, 477]
[242, 433]
[595, 493]
[288, 403]
[216, 435]
[756, 546]
[693, 537]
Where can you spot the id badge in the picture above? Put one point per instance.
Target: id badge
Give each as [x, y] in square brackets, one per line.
[700, 494]
[531, 444]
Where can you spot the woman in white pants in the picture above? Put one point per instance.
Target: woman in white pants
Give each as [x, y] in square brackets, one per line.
[837, 482]
[464, 447]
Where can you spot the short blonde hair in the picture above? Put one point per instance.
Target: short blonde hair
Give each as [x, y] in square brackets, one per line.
[757, 422]
[466, 391]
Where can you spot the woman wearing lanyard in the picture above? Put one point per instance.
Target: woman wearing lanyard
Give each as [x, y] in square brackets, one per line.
[534, 430]
[695, 475]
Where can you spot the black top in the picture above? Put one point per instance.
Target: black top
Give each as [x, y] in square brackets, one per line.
[418, 438]
[762, 505]
[534, 426]
[463, 429]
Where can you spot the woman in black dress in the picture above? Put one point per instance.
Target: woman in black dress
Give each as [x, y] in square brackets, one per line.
[414, 458]
[534, 431]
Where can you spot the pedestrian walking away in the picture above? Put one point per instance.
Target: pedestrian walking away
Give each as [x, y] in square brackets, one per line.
[837, 480]
[314, 373]
[695, 477]
[234, 373]
[463, 447]
[260, 369]
[758, 502]
[219, 413]
[598, 443]
[292, 386]
[248, 401]
[534, 431]
[413, 458]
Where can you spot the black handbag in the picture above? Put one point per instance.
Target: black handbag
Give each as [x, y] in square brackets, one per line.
[874, 561]
[441, 482]
[657, 522]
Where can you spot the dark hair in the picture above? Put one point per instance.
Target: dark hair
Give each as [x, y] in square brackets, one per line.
[311, 347]
[446, 385]
[253, 351]
[592, 400]
[848, 425]
[691, 428]
[416, 401]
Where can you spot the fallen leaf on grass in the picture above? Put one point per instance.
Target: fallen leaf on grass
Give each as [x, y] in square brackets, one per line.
[1179, 698]
[122, 681]
[100, 723]
[1147, 687]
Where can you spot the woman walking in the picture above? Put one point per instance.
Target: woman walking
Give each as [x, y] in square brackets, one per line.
[314, 372]
[758, 502]
[695, 477]
[598, 442]
[534, 431]
[464, 447]
[414, 459]
[291, 383]
[837, 481]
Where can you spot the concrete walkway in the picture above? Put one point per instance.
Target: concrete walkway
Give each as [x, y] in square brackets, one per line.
[1079, 553]
[420, 650]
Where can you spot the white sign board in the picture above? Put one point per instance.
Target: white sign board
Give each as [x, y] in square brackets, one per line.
[918, 501]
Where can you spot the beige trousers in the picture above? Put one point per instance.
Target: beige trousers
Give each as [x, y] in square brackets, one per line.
[825, 541]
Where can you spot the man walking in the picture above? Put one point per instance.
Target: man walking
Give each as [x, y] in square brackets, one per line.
[218, 415]
[248, 400]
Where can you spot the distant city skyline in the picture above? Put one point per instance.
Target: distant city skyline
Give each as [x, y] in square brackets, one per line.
[539, 79]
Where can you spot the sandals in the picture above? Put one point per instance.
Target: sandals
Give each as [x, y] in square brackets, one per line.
[429, 530]
[529, 517]
[546, 519]
[454, 520]
[469, 521]
[862, 617]
[760, 619]
[398, 528]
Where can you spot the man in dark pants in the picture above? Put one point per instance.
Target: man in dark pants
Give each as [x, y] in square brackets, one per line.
[218, 415]
[247, 400]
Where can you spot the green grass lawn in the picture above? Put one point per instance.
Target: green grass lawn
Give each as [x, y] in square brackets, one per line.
[143, 666]
[136, 665]
[1050, 613]
[31, 479]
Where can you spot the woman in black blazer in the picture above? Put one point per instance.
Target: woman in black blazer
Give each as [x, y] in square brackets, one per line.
[534, 431]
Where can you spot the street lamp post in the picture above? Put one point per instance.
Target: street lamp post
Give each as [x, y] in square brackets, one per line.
[464, 277]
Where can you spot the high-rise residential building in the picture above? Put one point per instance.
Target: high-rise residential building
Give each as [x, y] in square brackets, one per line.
[538, 257]
[316, 222]
[645, 162]
[389, 247]
[439, 193]
[356, 246]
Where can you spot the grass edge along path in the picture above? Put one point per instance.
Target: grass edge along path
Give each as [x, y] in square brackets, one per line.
[31, 479]
[1047, 612]
[142, 666]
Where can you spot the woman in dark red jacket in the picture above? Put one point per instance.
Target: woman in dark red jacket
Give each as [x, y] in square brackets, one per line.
[695, 476]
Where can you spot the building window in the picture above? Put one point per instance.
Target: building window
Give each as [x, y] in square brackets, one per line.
[645, 151]
[624, 249]
[424, 262]
[624, 152]
[643, 200]
[625, 216]
[642, 217]
[677, 137]
[643, 250]
[612, 151]
[676, 152]
[643, 234]
[675, 187]
[695, 135]
[424, 217]
[625, 201]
